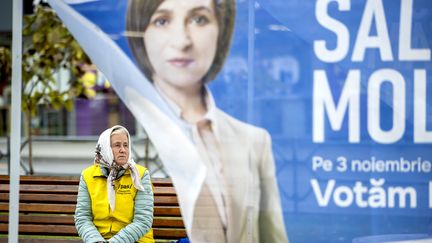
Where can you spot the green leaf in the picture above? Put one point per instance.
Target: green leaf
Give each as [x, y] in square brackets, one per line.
[69, 104]
[37, 37]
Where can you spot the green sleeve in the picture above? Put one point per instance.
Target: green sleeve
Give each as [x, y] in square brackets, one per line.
[83, 216]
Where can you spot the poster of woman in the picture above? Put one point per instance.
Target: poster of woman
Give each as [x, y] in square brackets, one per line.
[305, 121]
[180, 46]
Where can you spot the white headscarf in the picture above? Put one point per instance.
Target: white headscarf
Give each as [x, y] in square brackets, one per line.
[105, 158]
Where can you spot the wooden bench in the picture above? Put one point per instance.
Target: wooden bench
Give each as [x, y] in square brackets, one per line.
[47, 206]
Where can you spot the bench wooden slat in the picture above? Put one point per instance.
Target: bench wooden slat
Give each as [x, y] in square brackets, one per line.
[69, 180]
[69, 220]
[162, 182]
[48, 180]
[41, 219]
[58, 189]
[43, 229]
[41, 198]
[49, 198]
[165, 201]
[164, 191]
[168, 222]
[65, 230]
[70, 209]
[167, 211]
[41, 208]
[32, 240]
[72, 189]
[169, 233]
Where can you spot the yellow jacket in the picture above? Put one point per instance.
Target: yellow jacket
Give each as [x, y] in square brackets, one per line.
[125, 223]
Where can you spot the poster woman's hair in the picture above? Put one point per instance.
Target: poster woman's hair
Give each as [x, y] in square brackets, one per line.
[138, 18]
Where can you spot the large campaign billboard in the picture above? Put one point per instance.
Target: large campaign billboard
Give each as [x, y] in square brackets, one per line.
[343, 88]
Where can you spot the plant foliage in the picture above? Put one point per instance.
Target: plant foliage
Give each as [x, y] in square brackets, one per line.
[48, 48]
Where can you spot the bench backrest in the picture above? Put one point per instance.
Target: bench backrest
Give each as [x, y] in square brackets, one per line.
[47, 206]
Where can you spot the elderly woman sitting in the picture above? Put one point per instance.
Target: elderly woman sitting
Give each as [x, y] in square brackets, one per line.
[115, 197]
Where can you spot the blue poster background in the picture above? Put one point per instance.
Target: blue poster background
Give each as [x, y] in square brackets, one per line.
[280, 97]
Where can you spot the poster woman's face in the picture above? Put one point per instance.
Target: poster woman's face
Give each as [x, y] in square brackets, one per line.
[181, 42]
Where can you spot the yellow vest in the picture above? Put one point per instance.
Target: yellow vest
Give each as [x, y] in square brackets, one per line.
[107, 222]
